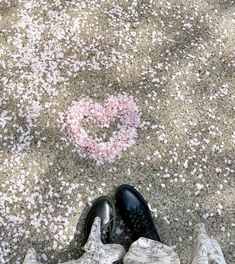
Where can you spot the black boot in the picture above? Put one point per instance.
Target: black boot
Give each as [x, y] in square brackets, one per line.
[135, 212]
[104, 208]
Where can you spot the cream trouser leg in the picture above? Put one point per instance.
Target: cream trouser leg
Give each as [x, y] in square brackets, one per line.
[204, 251]
[95, 251]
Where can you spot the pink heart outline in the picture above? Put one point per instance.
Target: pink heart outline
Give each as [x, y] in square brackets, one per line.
[122, 106]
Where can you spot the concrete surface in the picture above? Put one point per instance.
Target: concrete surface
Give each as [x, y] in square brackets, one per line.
[177, 58]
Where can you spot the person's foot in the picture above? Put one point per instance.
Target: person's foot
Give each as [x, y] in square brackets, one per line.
[135, 212]
[104, 208]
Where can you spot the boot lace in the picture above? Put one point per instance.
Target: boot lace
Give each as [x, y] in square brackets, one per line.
[139, 221]
[106, 231]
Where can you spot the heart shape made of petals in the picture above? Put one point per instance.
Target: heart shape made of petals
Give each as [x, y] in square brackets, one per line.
[121, 106]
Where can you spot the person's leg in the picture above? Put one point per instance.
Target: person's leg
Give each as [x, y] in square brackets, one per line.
[149, 251]
[98, 229]
[205, 250]
[98, 253]
[95, 251]
[147, 247]
[31, 257]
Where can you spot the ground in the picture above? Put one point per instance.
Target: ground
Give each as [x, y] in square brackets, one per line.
[175, 58]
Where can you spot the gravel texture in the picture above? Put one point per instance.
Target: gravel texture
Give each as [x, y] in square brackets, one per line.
[175, 58]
